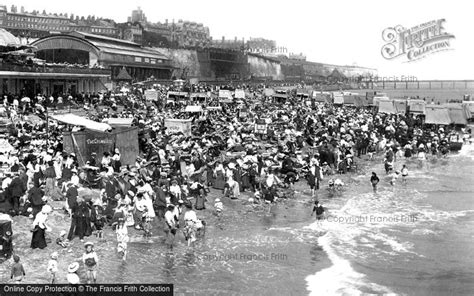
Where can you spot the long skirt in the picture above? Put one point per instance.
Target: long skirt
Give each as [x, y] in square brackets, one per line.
[81, 227]
[219, 182]
[200, 199]
[38, 239]
[246, 182]
[49, 187]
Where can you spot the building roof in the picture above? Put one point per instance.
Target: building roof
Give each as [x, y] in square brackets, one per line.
[386, 107]
[119, 46]
[102, 44]
[400, 106]
[98, 38]
[437, 115]
[416, 106]
[7, 39]
[457, 114]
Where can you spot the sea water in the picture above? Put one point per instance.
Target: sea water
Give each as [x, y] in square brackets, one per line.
[415, 238]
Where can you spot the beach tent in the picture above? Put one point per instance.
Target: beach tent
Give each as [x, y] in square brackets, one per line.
[214, 108]
[416, 106]
[81, 121]
[349, 99]
[457, 114]
[400, 106]
[199, 97]
[193, 109]
[386, 106]
[118, 121]
[468, 109]
[377, 99]
[437, 115]
[360, 101]
[175, 96]
[338, 98]
[151, 95]
[225, 94]
[303, 93]
[83, 143]
[239, 94]
[268, 92]
[280, 97]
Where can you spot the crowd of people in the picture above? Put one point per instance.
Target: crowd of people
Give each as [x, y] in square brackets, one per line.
[174, 173]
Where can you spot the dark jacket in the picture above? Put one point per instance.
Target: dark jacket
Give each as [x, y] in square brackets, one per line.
[160, 200]
[17, 187]
[71, 196]
[35, 196]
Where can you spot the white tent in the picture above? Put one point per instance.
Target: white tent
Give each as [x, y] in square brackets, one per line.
[118, 121]
[81, 121]
[193, 109]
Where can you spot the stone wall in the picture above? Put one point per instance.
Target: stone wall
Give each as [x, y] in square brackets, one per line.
[197, 64]
[263, 67]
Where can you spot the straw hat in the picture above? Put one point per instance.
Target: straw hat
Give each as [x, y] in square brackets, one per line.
[88, 244]
[54, 255]
[73, 267]
[46, 209]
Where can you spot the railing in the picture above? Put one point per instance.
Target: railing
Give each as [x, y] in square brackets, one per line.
[52, 69]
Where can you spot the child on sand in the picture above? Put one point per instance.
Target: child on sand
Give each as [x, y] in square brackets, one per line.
[374, 180]
[404, 173]
[72, 277]
[146, 223]
[53, 266]
[62, 240]
[394, 177]
[319, 210]
[18, 272]
[90, 260]
[218, 206]
[122, 238]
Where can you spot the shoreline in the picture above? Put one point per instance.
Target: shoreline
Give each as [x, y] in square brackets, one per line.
[36, 273]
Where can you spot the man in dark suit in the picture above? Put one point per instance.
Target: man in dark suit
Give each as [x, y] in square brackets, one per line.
[16, 190]
[71, 196]
[35, 197]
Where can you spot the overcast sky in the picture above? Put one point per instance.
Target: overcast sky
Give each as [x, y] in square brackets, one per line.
[336, 32]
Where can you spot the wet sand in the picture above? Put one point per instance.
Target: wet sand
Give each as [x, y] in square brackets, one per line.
[243, 226]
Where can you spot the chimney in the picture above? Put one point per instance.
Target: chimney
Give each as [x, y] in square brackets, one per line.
[22, 9]
[223, 39]
[235, 40]
[166, 21]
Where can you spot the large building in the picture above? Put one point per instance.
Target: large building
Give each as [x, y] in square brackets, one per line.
[109, 53]
[20, 75]
[179, 34]
[131, 32]
[34, 24]
[138, 16]
[190, 34]
[95, 26]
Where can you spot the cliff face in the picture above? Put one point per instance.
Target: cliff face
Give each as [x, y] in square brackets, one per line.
[199, 64]
[261, 67]
[186, 61]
